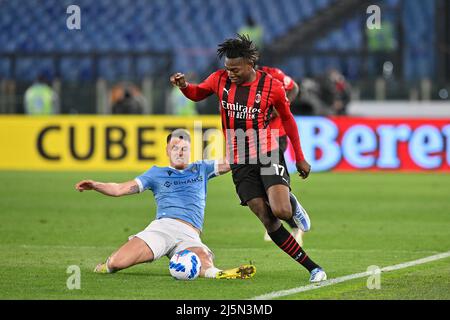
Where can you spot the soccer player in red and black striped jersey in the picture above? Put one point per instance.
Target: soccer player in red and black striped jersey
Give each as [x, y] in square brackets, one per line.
[292, 90]
[248, 97]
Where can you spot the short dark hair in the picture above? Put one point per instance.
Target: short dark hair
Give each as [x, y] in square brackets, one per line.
[179, 133]
[239, 47]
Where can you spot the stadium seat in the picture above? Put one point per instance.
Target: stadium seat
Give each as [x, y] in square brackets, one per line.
[142, 25]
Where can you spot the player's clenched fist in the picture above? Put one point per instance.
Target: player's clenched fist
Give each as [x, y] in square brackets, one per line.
[85, 185]
[178, 80]
[303, 168]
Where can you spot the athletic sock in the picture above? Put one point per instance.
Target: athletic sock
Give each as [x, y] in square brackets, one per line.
[107, 267]
[211, 272]
[288, 244]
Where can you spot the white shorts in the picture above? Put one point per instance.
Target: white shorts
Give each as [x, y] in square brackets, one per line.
[166, 236]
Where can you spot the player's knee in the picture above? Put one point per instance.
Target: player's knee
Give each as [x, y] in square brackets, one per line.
[204, 255]
[282, 211]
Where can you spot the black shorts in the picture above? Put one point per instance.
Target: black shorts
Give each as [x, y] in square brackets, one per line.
[253, 180]
[283, 143]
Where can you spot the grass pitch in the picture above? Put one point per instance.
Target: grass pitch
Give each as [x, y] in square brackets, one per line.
[358, 220]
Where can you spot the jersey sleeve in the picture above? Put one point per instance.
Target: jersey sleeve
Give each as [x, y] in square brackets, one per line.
[146, 180]
[282, 105]
[287, 81]
[198, 92]
[211, 168]
[280, 100]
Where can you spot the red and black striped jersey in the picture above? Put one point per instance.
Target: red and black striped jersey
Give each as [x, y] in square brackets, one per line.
[288, 84]
[246, 109]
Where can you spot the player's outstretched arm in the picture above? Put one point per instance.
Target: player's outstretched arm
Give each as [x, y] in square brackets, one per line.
[110, 189]
[224, 166]
[191, 91]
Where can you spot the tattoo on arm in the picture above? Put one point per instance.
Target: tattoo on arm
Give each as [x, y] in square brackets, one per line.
[133, 189]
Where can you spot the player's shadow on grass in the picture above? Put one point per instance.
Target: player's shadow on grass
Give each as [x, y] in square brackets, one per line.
[143, 274]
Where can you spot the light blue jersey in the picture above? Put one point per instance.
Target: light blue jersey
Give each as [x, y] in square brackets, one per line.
[180, 194]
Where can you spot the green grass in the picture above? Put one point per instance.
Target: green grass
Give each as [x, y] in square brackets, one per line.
[359, 219]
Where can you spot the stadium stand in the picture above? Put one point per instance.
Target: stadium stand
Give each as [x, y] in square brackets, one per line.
[129, 40]
[29, 26]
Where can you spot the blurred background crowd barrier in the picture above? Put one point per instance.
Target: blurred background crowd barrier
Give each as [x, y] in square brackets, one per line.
[374, 79]
[124, 52]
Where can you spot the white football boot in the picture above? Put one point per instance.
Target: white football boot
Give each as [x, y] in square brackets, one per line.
[317, 275]
[300, 216]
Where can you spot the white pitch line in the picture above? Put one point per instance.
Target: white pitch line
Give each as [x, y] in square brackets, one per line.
[283, 293]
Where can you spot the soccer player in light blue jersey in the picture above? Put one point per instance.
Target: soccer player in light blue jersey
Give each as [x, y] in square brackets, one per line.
[180, 194]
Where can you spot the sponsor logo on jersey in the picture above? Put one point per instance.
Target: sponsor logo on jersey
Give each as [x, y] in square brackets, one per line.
[168, 184]
[240, 111]
[258, 97]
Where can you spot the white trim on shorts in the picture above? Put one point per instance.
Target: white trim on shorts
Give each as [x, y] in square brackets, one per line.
[167, 236]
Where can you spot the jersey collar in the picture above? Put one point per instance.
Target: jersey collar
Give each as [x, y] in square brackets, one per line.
[258, 76]
[181, 171]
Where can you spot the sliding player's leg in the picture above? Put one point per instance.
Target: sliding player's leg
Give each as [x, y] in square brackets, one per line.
[149, 245]
[208, 270]
[135, 251]
[189, 239]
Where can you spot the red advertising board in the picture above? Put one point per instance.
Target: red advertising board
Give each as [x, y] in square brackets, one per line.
[348, 144]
